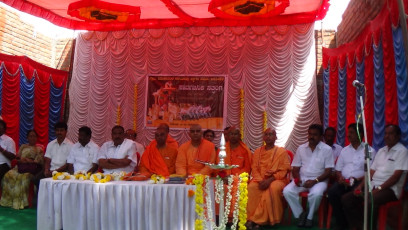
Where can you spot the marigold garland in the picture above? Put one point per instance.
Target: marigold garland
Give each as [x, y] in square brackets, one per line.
[199, 199]
[60, 175]
[265, 120]
[118, 115]
[205, 213]
[156, 179]
[100, 177]
[191, 193]
[82, 175]
[241, 113]
[243, 199]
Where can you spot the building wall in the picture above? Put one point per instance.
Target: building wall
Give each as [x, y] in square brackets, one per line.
[327, 39]
[356, 17]
[20, 38]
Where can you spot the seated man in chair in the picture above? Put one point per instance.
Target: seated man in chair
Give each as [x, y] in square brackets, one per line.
[312, 166]
[387, 173]
[159, 157]
[119, 154]
[84, 153]
[270, 166]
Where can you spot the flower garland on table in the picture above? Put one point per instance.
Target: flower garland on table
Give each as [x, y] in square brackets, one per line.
[100, 177]
[199, 199]
[156, 179]
[60, 175]
[241, 113]
[82, 175]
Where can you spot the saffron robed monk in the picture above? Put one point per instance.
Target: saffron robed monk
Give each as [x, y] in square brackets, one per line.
[160, 155]
[193, 153]
[270, 166]
[237, 153]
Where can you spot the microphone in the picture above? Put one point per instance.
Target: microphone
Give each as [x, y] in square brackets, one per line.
[358, 84]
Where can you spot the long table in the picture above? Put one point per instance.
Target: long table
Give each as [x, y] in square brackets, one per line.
[116, 205]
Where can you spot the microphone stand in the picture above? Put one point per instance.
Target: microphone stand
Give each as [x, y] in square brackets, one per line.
[367, 187]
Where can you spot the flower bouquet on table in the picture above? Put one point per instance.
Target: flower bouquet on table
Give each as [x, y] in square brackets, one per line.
[82, 175]
[116, 176]
[156, 179]
[100, 177]
[60, 175]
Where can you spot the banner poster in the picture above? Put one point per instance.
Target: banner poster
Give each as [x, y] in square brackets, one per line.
[184, 100]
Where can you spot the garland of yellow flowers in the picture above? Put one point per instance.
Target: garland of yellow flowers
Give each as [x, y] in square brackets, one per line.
[156, 179]
[118, 115]
[135, 108]
[241, 113]
[199, 199]
[265, 120]
[243, 199]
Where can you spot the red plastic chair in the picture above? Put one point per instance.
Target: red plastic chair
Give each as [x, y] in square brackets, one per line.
[383, 210]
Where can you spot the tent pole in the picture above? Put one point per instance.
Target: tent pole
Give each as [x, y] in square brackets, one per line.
[403, 23]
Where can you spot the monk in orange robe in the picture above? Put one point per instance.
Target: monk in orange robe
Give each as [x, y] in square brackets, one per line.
[193, 153]
[159, 157]
[270, 166]
[237, 153]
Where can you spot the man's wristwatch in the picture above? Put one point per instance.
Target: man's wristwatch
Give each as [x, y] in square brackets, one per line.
[317, 180]
[379, 187]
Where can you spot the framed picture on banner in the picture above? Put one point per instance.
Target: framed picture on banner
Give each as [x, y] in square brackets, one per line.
[182, 100]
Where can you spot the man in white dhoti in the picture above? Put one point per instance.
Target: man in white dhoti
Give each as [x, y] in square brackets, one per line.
[312, 166]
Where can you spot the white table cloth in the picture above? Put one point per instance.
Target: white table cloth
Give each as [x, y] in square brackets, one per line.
[117, 205]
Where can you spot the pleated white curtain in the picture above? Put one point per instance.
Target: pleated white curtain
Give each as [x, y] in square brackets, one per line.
[275, 65]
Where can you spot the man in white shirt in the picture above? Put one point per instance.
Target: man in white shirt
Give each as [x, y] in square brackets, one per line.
[119, 154]
[55, 158]
[329, 138]
[387, 173]
[349, 172]
[84, 153]
[7, 150]
[311, 168]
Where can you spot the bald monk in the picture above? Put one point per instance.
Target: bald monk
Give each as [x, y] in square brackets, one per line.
[159, 157]
[192, 153]
[237, 153]
[270, 166]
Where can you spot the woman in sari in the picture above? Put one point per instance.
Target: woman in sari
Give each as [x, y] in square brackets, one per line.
[16, 182]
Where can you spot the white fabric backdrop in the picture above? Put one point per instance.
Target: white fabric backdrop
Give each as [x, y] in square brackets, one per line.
[275, 65]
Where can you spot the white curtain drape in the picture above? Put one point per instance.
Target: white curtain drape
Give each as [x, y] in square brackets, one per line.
[275, 65]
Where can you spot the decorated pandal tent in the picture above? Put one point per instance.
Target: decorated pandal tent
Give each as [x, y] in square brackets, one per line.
[376, 58]
[244, 63]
